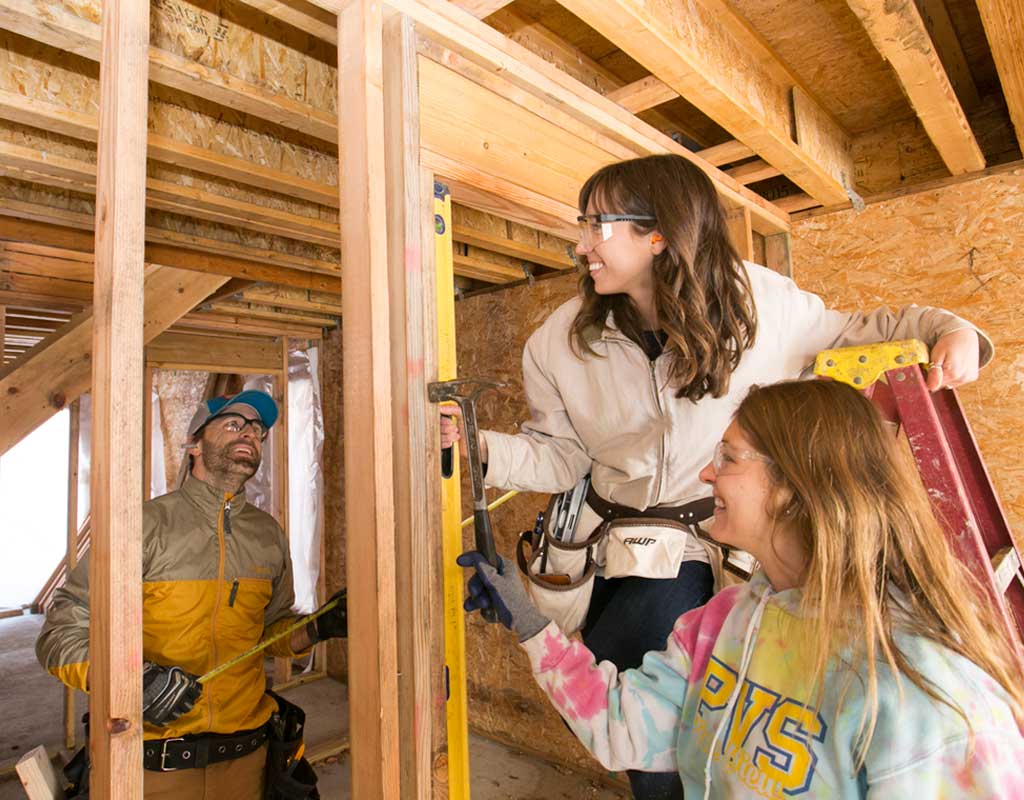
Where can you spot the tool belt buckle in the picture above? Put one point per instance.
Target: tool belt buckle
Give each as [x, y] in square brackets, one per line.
[163, 754]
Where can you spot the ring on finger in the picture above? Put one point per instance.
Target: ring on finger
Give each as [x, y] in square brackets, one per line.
[933, 365]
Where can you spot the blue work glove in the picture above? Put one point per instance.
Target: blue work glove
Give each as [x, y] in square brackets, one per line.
[501, 590]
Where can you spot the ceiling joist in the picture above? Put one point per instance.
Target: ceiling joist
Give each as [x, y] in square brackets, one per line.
[1005, 31]
[709, 56]
[899, 33]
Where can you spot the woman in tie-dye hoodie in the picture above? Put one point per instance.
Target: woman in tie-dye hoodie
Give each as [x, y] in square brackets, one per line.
[862, 660]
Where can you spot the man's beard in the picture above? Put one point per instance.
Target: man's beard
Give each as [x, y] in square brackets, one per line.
[222, 461]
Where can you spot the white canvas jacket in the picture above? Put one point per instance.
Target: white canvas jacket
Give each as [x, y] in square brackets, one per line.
[618, 418]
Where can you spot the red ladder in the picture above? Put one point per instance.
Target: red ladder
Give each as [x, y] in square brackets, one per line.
[948, 460]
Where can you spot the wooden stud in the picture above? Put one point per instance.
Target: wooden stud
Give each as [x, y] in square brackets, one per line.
[314, 21]
[226, 354]
[796, 202]
[900, 35]
[282, 666]
[414, 432]
[369, 466]
[753, 172]
[59, 372]
[1001, 19]
[147, 432]
[508, 247]
[716, 63]
[725, 153]
[777, 254]
[71, 555]
[3, 334]
[38, 777]
[115, 626]
[740, 232]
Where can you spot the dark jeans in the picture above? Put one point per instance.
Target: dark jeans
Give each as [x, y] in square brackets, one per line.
[631, 616]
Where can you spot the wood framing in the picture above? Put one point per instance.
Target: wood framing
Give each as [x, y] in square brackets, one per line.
[368, 423]
[707, 55]
[58, 371]
[900, 35]
[281, 491]
[1002, 22]
[242, 356]
[69, 718]
[414, 420]
[115, 624]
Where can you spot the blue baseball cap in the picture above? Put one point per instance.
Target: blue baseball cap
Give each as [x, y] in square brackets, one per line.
[260, 402]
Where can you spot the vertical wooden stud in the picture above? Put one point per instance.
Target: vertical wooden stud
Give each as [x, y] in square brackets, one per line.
[3, 337]
[776, 254]
[147, 433]
[74, 431]
[369, 471]
[741, 232]
[414, 418]
[282, 666]
[115, 631]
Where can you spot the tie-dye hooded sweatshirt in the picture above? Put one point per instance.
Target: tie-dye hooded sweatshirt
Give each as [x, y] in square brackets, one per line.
[729, 705]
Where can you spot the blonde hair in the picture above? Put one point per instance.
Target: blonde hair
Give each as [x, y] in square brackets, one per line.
[878, 559]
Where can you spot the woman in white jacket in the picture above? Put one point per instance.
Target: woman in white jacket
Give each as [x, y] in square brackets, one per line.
[633, 381]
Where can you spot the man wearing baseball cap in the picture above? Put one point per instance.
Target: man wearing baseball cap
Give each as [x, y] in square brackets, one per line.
[217, 580]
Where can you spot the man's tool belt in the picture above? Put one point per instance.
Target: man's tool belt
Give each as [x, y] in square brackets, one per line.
[198, 750]
[289, 776]
[687, 514]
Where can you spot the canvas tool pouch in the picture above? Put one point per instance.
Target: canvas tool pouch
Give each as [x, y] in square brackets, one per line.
[650, 543]
[289, 776]
[560, 575]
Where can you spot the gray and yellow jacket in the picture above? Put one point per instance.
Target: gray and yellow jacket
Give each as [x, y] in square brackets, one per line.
[217, 579]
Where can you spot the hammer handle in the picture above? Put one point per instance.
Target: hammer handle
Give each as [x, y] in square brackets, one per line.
[447, 462]
[484, 539]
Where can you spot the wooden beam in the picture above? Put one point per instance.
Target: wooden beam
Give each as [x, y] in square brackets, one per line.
[777, 254]
[725, 153]
[481, 8]
[508, 247]
[56, 25]
[796, 202]
[117, 327]
[643, 94]
[570, 59]
[314, 21]
[58, 371]
[1002, 22]
[900, 35]
[369, 465]
[413, 352]
[228, 354]
[37, 776]
[710, 57]
[539, 86]
[753, 172]
[947, 44]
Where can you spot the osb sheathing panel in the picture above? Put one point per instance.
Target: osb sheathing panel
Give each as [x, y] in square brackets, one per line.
[504, 701]
[960, 247]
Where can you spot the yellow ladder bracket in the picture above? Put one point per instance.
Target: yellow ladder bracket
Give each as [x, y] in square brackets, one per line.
[862, 365]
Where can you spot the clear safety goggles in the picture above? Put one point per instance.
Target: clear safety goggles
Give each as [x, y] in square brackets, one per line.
[597, 228]
[726, 454]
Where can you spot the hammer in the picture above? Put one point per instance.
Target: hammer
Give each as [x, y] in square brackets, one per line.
[464, 393]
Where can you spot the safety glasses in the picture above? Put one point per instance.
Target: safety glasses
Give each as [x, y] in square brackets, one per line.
[597, 228]
[236, 423]
[726, 454]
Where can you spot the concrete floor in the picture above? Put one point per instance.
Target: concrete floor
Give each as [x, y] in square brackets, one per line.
[32, 716]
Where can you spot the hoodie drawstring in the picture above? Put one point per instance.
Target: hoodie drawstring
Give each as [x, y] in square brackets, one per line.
[748, 652]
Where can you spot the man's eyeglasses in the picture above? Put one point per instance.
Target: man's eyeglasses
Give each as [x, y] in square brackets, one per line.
[597, 228]
[236, 423]
[726, 454]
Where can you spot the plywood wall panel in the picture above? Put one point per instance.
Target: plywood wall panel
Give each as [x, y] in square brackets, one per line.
[960, 247]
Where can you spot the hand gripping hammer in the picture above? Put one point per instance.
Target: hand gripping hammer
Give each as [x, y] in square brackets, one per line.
[463, 392]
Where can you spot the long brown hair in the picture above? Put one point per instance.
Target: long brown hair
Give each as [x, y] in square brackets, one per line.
[702, 296]
[879, 560]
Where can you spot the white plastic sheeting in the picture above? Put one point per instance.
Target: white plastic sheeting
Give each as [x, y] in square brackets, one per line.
[305, 475]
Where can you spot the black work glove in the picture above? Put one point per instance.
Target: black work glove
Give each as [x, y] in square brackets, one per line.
[333, 624]
[167, 693]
